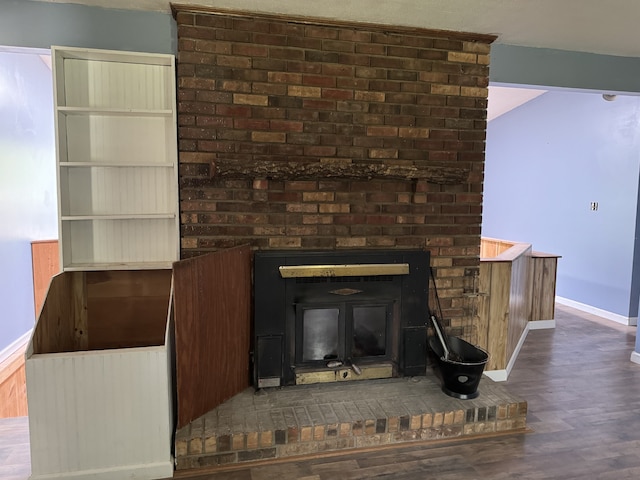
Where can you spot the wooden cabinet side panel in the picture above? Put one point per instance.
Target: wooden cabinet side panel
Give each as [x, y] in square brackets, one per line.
[498, 319]
[544, 288]
[484, 304]
[212, 299]
[55, 329]
[519, 301]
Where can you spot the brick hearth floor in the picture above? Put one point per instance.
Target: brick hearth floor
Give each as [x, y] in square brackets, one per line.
[311, 419]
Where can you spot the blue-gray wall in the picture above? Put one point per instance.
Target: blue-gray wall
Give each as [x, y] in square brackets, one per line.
[24, 23]
[27, 183]
[557, 68]
[546, 162]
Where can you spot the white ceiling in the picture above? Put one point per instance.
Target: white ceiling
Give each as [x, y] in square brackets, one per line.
[594, 26]
[504, 99]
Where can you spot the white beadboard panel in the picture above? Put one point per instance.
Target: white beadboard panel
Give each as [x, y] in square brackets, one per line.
[137, 472]
[113, 240]
[118, 190]
[99, 411]
[100, 84]
[170, 344]
[126, 139]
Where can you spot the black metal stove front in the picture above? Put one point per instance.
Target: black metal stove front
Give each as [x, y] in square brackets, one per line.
[332, 315]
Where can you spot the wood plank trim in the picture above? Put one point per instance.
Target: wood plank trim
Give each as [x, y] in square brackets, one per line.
[13, 389]
[511, 254]
[402, 29]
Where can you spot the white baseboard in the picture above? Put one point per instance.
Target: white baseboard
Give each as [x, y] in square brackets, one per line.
[635, 357]
[503, 375]
[542, 324]
[497, 375]
[614, 317]
[139, 472]
[14, 346]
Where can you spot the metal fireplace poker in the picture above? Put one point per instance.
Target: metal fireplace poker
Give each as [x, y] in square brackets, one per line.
[460, 363]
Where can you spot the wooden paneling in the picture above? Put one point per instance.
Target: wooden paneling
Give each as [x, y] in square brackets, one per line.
[498, 322]
[492, 247]
[13, 390]
[484, 307]
[504, 302]
[127, 308]
[45, 260]
[212, 317]
[61, 326]
[519, 299]
[543, 281]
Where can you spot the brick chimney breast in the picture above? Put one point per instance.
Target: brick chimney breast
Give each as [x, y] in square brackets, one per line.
[306, 134]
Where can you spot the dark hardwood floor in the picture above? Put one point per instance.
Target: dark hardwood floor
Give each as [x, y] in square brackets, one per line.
[14, 449]
[584, 413]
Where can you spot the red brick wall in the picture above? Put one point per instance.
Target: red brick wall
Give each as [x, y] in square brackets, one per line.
[267, 89]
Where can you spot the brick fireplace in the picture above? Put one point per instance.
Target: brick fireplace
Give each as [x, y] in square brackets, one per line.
[307, 134]
[304, 135]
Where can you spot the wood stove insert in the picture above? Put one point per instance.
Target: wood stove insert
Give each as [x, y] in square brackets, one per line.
[324, 316]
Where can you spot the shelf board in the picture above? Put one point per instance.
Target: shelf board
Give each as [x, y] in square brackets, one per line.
[119, 266]
[80, 53]
[133, 112]
[120, 216]
[117, 164]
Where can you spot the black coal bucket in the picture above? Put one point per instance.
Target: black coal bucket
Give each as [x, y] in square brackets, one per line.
[461, 373]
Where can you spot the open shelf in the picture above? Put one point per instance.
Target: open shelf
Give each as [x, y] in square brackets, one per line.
[118, 240]
[117, 159]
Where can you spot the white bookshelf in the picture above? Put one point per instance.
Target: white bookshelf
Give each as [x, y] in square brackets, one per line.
[90, 398]
[117, 159]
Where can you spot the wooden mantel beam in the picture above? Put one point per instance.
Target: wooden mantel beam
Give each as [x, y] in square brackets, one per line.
[288, 170]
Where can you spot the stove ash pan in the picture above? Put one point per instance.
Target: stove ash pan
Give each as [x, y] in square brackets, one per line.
[314, 311]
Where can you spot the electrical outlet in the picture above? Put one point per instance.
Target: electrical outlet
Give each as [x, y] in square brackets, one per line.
[594, 206]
